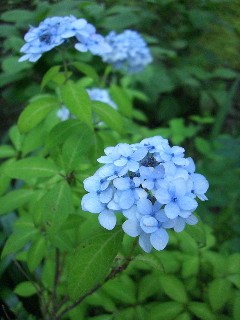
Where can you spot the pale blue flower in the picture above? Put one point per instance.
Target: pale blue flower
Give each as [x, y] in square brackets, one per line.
[102, 95]
[152, 184]
[129, 51]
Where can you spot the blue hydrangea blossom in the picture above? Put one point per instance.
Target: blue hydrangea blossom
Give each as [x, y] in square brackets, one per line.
[129, 51]
[54, 31]
[152, 184]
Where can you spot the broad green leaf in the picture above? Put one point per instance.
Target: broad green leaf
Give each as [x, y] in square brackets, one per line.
[6, 151]
[235, 279]
[55, 205]
[108, 115]
[49, 75]
[36, 253]
[201, 310]
[33, 140]
[100, 298]
[87, 70]
[120, 97]
[76, 146]
[165, 310]
[114, 288]
[25, 289]
[35, 112]
[77, 101]
[91, 262]
[224, 73]
[18, 239]
[29, 168]
[234, 263]
[219, 292]
[59, 134]
[15, 199]
[203, 146]
[174, 288]
[5, 180]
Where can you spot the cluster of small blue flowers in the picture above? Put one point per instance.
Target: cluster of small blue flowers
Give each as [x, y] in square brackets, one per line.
[152, 184]
[95, 94]
[54, 31]
[129, 51]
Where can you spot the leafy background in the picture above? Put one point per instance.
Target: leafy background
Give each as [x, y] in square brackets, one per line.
[190, 94]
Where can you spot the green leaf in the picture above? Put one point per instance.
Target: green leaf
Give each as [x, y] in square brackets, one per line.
[219, 293]
[87, 70]
[77, 101]
[18, 239]
[36, 253]
[235, 279]
[59, 134]
[56, 205]
[165, 310]
[114, 288]
[77, 145]
[201, 310]
[35, 112]
[198, 233]
[14, 199]
[190, 266]
[183, 316]
[236, 307]
[174, 288]
[93, 259]
[49, 75]
[16, 137]
[29, 168]
[121, 99]
[108, 115]
[224, 73]
[6, 151]
[148, 286]
[25, 289]
[203, 146]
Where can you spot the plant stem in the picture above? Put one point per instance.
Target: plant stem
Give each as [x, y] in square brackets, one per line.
[112, 275]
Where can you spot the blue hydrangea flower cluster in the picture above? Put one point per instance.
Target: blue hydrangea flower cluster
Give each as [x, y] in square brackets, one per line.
[95, 94]
[54, 31]
[129, 51]
[152, 184]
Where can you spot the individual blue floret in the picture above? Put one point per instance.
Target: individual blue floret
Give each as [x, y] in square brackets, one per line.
[129, 51]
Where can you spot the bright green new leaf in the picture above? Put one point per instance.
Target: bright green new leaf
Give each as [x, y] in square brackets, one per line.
[30, 168]
[201, 310]
[174, 288]
[25, 289]
[121, 99]
[91, 262]
[49, 75]
[36, 253]
[218, 293]
[165, 310]
[14, 199]
[16, 137]
[6, 151]
[18, 239]
[77, 101]
[76, 146]
[36, 111]
[108, 115]
[87, 70]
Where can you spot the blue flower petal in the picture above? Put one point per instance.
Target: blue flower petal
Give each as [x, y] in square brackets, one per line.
[91, 203]
[144, 206]
[172, 210]
[131, 227]
[163, 196]
[159, 239]
[187, 203]
[144, 242]
[179, 224]
[107, 219]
